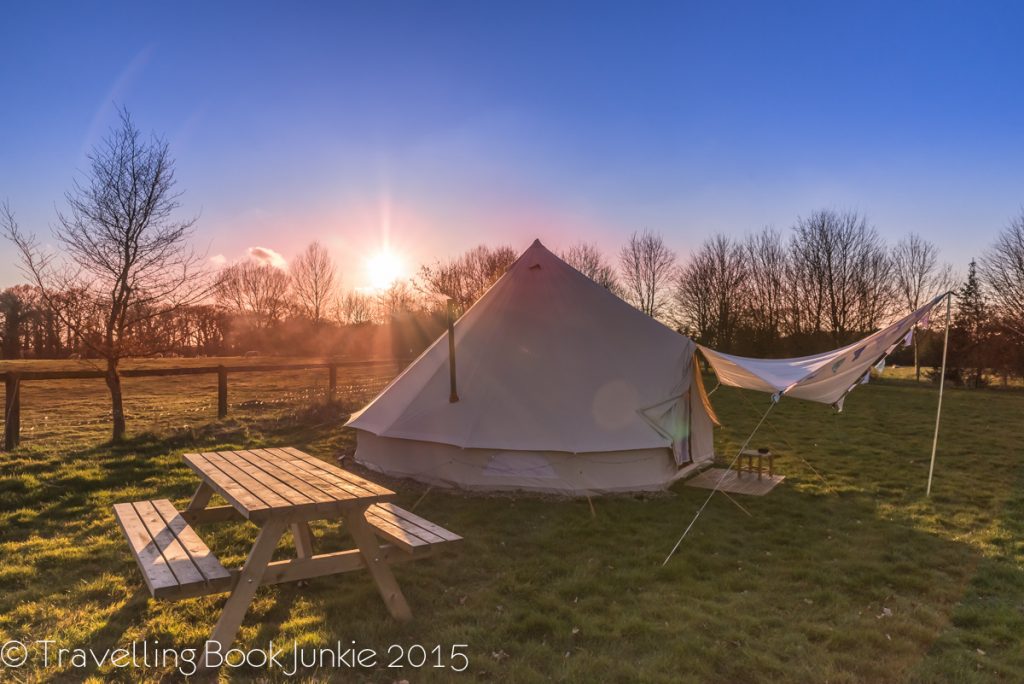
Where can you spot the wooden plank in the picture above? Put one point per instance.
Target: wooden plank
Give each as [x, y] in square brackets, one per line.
[199, 370]
[178, 560]
[404, 539]
[226, 629]
[222, 392]
[329, 564]
[201, 497]
[317, 468]
[374, 488]
[375, 513]
[272, 466]
[385, 580]
[731, 483]
[212, 515]
[199, 552]
[254, 487]
[426, 535]
[301, 477]
[12, 411]
[423, 523]
[335, 475]
[340, 489]
[371, 487]
[266, 480]
[303, 538]
[238, 496]
[157, 575]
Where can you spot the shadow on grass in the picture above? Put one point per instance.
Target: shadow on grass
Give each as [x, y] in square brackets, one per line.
[862, 581]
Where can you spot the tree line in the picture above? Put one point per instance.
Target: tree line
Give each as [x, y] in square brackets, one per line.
[832, 279]
[828, 281]
[121, 279]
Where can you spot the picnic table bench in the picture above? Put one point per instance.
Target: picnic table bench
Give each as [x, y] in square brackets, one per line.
[275, 489]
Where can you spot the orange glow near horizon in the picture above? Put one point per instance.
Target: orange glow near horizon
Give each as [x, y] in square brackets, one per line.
[384, 268]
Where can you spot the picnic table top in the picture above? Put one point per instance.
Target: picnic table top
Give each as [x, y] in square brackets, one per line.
[285, 482]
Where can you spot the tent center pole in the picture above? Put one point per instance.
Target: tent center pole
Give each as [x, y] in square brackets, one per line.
[454, 395]
[942, 383]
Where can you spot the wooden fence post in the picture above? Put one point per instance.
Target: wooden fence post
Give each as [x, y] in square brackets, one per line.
[12, 411]
[332, 382]
[222, 392]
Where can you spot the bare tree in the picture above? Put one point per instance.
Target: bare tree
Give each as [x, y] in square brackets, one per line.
[466, 277]
[841, 268]
[710, 292]
[805, 296]
[1002, 269]
[254, 291]
[399, 298]
[120, 245]
[355, 308]
[876, 291]
[586, 258]
[767, 266]
[647, 266]
[313, 282]
[918, 277]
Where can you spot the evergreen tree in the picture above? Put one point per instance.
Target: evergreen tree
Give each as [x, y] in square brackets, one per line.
[970, 330]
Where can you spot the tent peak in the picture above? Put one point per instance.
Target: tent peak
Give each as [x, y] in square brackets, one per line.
[537, 243]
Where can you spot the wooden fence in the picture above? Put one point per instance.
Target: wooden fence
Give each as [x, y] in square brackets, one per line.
[13, 380]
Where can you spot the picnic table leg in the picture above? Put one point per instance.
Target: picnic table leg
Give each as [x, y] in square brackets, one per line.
[201, 498]
[248, 581]
[303, 539]
[385, 580]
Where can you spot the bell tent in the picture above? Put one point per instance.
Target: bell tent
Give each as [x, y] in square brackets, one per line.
[562, 387]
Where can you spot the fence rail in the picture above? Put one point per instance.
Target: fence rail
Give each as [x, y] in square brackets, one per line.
[13, 379]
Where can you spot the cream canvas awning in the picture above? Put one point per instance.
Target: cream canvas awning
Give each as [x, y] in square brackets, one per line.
[825, 377]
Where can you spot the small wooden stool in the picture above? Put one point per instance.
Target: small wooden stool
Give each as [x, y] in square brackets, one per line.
[761, 455]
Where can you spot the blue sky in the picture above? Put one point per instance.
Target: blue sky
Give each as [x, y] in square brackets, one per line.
[436, 126]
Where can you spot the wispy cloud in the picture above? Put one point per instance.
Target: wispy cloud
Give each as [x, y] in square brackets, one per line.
[106, 112]
[266, 255]
[218, 260]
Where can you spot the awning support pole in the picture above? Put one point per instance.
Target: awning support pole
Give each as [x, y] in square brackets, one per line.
[942, 382]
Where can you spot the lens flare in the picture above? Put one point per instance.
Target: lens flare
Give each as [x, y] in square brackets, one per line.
[383, 269]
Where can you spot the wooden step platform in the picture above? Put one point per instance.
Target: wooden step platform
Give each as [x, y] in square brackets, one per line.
[406, 530]
[175, 562]
[730, 481]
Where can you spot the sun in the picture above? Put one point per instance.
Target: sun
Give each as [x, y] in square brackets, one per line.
[384, 268]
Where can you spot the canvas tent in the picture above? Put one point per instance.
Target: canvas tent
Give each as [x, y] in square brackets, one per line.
[562, 387]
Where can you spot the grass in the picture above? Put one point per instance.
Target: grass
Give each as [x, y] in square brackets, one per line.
[994, 380]
[853, 576]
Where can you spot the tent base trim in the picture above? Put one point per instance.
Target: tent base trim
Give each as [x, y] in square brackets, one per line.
[550, 472]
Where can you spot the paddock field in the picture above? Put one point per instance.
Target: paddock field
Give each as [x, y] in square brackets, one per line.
[845, 573]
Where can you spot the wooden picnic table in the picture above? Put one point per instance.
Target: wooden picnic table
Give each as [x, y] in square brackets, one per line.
[275, 489]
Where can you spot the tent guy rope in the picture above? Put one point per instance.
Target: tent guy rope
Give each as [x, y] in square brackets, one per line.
[780, 436]
[718, 484]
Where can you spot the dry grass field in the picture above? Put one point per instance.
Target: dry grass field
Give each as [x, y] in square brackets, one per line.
[62, 413]
[845, 573]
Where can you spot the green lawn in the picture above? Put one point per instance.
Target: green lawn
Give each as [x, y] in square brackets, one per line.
[853, 577]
